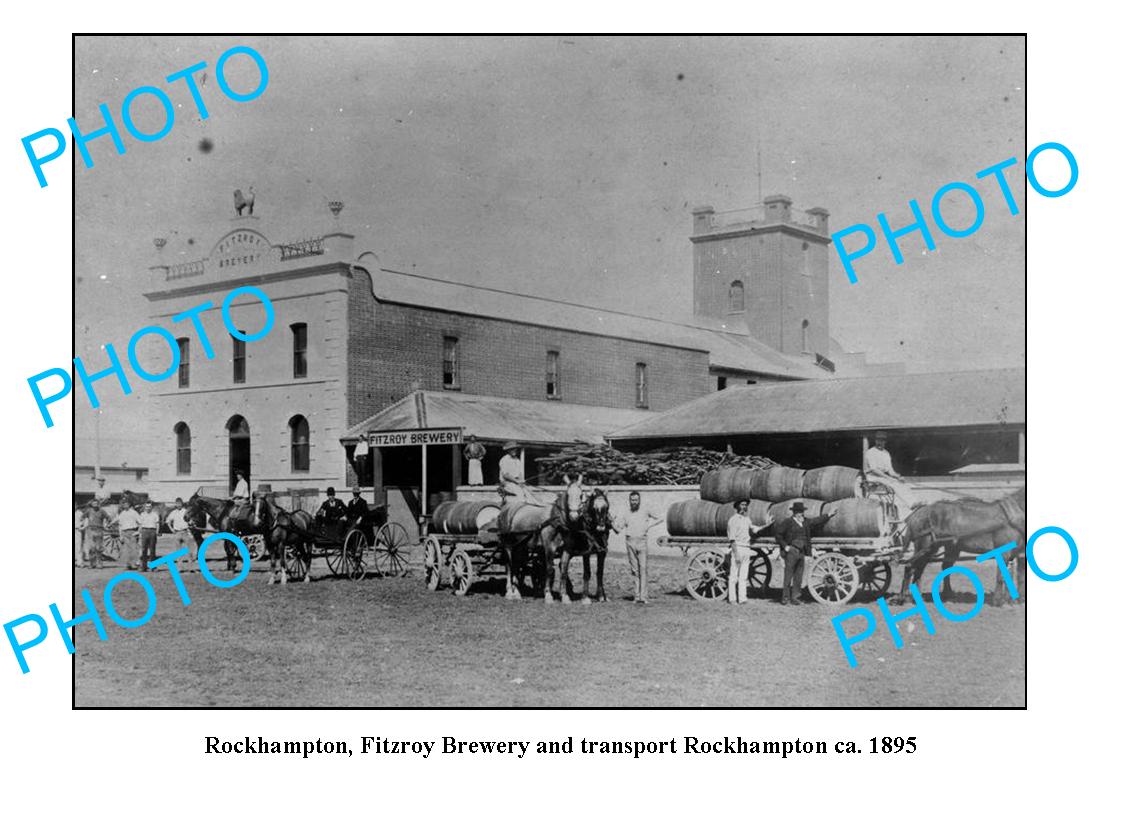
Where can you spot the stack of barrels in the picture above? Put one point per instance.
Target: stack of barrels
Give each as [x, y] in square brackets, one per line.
[771, 493]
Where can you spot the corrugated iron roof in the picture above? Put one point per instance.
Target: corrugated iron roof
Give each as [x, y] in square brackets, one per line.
[728, 348]
[948, 399]
[498, 418]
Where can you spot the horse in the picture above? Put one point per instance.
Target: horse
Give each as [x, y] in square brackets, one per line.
[227, 521]
[966, 525]
[520, 528]
[288, 530]
[586, 535]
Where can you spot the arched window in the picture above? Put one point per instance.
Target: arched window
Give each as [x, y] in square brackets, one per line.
[182, 449]
[806, 335]
[737, 296]
[298, 435]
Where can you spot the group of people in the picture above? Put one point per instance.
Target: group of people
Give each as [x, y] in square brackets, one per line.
[137, 530]
[333, 510]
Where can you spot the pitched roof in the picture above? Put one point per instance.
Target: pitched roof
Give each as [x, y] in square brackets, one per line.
[929, 400]
[498, 418]
[727, 348]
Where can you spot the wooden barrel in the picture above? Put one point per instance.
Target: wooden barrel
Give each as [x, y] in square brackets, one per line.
[783, 510]
[520, 517]
[777, 483]
[857, 518]
[698, 518]
[727, 485]
[463, 518]
[758, 512]
[832, 483]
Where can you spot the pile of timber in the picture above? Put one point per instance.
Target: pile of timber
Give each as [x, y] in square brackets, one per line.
[667, 466]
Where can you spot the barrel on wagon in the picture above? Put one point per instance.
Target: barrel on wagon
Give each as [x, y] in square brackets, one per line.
[856, 518]
[463, 518]
[832, 483]
[699, 518]
[727, 485]
[777, 483]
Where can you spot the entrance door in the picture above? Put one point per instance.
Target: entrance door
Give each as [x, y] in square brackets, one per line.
[239, 432]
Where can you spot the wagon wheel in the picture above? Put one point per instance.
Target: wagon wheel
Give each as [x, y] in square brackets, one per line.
[833, 579]
[391, 549]
[294, 564]
[460, 566]
[874, 578]
[354, 548]
[256, 545]
[707, 575]
[334, 558]
[111, 547]
[432, 563]
[760, 572]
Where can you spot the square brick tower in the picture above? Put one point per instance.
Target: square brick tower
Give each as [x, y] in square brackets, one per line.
[765, 268]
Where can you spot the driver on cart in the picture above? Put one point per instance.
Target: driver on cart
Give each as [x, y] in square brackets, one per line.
[332, 511]
[357, 508]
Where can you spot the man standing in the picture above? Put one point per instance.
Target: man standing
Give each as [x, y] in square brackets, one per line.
[80, 522]
[357, 508]
[740, 531]
[149, 528]
[793, 534]
[96, 520]
[332, 510]
[177, 523]
[102, 494]
[128, 523]
[474, 452]
[878, 467]
[634, 524]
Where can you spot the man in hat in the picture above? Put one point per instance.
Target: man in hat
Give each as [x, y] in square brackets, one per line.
[128, 524]
[793, 534]
[878, 467]
[181, 529]
[96, 522]
[475, 452]
[149, 528]
[102, 493]
[512, 484]
[740, 532]
[357, 508]
[332, 510]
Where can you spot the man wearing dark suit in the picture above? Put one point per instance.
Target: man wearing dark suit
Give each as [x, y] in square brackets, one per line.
[357, 508]
[793, 534]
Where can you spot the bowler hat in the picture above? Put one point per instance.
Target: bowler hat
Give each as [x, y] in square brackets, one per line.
[797, 507]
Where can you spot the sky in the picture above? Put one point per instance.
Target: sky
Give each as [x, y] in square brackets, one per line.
[568, 166]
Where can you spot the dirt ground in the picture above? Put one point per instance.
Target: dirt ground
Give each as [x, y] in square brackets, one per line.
[391, 642]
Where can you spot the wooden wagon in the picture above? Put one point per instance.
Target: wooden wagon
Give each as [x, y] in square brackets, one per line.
[354, 548]
[839, 569]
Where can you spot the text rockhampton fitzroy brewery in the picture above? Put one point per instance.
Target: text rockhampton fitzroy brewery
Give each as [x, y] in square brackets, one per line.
[699, 746]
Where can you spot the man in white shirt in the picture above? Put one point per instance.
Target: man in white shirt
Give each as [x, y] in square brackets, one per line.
[149, 529]
[102, 493]
[512, 484]
[177, 523]
[80, 524]
[128, 523]
[878, 467]
[740, 531]
[634, 524]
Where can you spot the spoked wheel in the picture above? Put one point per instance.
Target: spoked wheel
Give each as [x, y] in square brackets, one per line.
[460, 566]
[432, 563]
[760, 572]
[391, 549]
[255, 543]
[833, 579]
[707, 575]
[294, 564]
[355, 547]
[111, 547]
[874, 578]
[334, 559]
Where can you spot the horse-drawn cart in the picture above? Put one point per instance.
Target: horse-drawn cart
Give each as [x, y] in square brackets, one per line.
[351, 549]
[840, 568]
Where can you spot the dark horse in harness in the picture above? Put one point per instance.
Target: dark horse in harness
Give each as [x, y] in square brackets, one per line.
[966, 525]
[579, 525]
[252, 518]
[288, 530]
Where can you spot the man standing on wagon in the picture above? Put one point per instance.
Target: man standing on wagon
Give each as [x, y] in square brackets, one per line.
[793, 534]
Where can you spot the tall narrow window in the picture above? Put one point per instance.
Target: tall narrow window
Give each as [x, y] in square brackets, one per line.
[737, 296]
[805, 337]
[182, 449]
[239, 359]
[298, 433]
[452, 363]
[721, 383]
[184, 362]
[300, 349]
[641, 385]
[553, 384]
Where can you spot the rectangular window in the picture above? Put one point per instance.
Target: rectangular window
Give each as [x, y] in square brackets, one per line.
[721, 383]
[451, 363]
[300, 350]
[641, 385]
[184, 362]
[553, 384]
[183, 462]
[239, 360]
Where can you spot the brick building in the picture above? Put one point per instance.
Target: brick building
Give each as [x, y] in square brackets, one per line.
[352, 339]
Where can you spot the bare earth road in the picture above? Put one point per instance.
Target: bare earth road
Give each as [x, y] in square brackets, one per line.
[390, 642]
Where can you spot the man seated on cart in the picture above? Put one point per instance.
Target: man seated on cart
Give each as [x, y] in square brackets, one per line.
[512, 483]
[332, 511]
[877, 466]
[357, 508]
